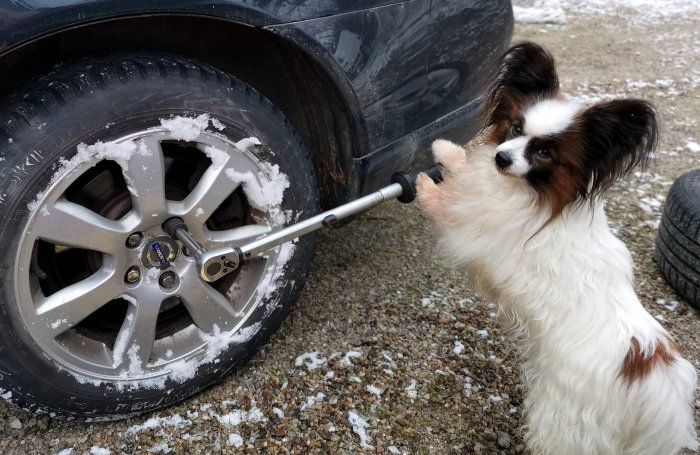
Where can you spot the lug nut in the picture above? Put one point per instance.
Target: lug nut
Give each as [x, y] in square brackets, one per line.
[134, 240]
[168, 280]
[133, 275]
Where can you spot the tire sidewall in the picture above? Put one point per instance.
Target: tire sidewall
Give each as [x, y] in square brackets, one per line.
[114, 110]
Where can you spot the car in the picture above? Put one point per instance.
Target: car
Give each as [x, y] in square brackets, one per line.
[237, 117]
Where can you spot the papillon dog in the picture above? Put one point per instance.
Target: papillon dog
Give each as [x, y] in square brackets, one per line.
[523, 214]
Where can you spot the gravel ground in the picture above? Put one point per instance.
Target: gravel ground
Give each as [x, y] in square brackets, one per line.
[388, 352]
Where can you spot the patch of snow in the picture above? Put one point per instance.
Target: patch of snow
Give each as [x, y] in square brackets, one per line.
[692, 146]
[411, 389]
[346, 360]
[248, 143]
[218, 157]
[310, 401]
[483, 333]
[217, 342]
[271, 281]
[670, 306]
[163, 447]
[467, 387]
[650, 204]
[68, 451]
[97, 450]
[495, 398]
[540, 12]
[393, 449]
[56, 324]
[638, 10]
[120, 153]
[278, 412]
[186, 128]
[374, 391]
[311, 360]
[329, 375]
[238, 416]
[459, 348]
[174, 420]
[217, 124]
[179, 370]
[264, 192]
[359, 427]
[235, 440]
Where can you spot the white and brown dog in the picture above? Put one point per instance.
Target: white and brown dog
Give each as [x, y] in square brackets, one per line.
[524, 216]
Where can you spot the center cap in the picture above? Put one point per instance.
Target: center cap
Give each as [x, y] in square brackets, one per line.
[160, 252]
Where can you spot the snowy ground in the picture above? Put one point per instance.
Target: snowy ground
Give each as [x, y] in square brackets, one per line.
[404, 357]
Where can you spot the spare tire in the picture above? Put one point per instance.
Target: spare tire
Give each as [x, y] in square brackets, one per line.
[678, 239]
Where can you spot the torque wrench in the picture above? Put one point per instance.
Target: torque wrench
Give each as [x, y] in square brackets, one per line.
[215, 263]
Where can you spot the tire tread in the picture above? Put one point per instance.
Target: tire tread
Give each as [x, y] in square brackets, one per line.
[678, 237]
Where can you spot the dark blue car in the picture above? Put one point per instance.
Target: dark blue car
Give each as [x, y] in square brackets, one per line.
[237, 116]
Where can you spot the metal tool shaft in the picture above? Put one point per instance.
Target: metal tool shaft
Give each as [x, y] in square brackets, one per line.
[213, 264]
[325, 219]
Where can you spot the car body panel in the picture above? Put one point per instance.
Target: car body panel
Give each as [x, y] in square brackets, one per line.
[410, 92]
[21, 20]
[406, 72]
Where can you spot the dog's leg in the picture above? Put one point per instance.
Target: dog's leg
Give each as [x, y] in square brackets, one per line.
[429, 195]
[449, 155]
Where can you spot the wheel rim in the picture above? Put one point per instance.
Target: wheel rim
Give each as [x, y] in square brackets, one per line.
[89, 293]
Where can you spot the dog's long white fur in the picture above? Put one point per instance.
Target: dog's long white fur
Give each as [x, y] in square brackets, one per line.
[567, 290]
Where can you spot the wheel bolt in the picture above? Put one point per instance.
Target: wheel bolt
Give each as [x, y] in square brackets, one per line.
[168, 280]
[134, 240]
[133, 275]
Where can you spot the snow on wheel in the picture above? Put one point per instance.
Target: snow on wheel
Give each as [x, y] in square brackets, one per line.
[678, 239]
[103, 311]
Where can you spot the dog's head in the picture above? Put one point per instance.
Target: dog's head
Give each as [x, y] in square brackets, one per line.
[566, 152]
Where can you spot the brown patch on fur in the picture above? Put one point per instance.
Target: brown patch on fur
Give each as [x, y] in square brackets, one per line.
[636, 366]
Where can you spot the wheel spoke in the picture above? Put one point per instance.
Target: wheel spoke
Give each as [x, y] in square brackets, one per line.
[211, 190]
[134, 342]
[67, 307]
[70, 224]
[207, 306]
[145, 177]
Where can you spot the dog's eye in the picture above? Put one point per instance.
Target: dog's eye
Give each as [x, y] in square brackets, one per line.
[544, 153]
[516, 129]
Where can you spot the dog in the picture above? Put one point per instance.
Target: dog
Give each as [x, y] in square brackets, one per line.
[523, 214]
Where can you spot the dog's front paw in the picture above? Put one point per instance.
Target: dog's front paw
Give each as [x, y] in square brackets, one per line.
[427, 193]
[448, 154]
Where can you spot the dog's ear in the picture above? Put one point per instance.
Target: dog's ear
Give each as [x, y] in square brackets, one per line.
[527, 73]
[618, 135]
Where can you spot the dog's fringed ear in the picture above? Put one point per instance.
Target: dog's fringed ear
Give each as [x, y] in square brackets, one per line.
[527, 73]
[619, 135]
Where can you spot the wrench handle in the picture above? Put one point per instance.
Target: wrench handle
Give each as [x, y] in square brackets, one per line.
[408, 182]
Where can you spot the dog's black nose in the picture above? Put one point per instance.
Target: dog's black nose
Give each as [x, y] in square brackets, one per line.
[503, 160]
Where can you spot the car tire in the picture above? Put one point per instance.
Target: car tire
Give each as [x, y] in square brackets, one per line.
[94, 157]
[678, 239]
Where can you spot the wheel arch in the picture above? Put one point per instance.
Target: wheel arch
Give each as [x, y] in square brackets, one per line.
[293, 74]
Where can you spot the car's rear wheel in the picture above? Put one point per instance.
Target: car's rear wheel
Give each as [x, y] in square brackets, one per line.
[102, 313]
